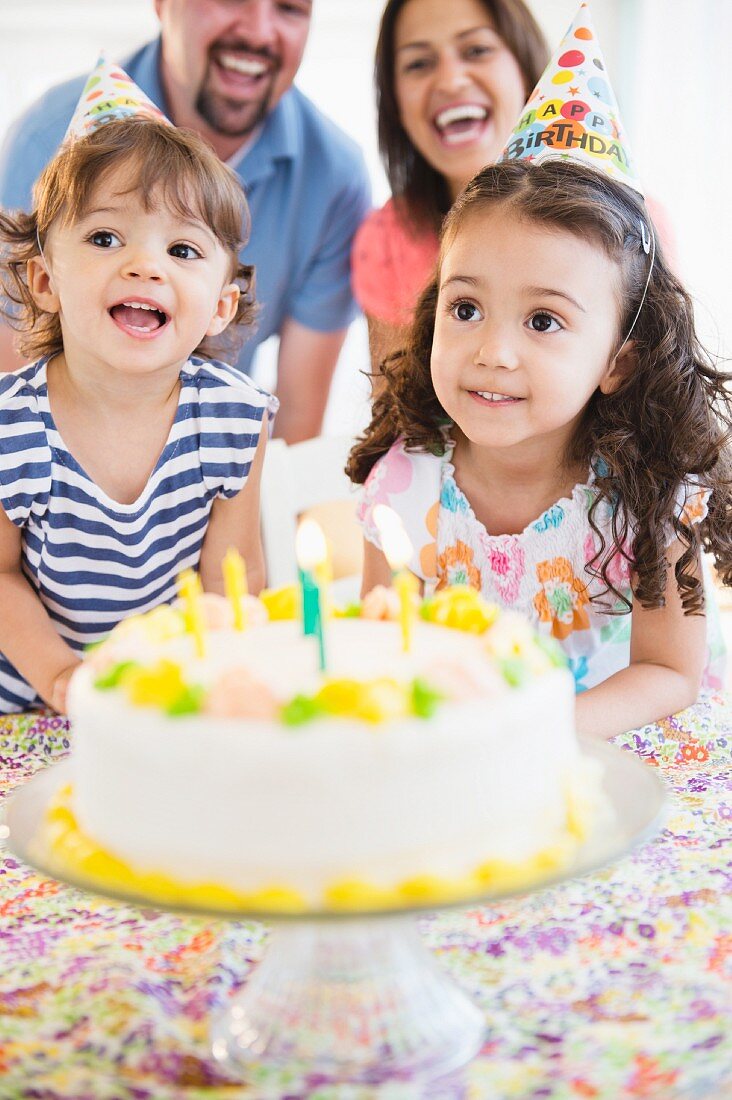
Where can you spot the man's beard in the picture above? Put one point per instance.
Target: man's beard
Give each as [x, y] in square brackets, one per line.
[231, 117]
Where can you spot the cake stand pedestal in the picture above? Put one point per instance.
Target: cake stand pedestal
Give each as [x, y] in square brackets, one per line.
[354, 1000]
[356, 997]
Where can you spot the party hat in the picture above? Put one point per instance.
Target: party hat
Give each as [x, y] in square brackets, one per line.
[109, 94]
[572, 112]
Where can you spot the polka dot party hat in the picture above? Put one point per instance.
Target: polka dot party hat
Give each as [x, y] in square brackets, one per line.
[572, 111]
[109, 94]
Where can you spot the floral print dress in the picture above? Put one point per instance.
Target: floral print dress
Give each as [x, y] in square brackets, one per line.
[540, 572]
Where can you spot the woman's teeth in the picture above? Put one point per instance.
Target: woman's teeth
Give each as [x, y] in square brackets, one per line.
[460, 124]
[460, 114]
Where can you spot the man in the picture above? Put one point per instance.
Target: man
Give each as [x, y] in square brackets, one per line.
[225, 68]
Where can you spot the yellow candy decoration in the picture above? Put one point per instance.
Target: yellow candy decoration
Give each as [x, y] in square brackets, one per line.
[163, 623]
[461, 608]
[375, 701]
[281, 603]
[159, 686]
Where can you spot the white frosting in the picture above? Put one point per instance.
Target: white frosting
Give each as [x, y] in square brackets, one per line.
[255, 803]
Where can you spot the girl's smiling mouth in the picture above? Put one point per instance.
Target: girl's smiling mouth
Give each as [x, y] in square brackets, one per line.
[139, 317]
[490, 397]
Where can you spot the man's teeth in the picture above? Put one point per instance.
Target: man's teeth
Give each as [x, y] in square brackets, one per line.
[463, 113]
[142, 305]
[245, 65]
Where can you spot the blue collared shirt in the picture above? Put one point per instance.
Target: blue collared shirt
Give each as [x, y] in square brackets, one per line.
[305, 181]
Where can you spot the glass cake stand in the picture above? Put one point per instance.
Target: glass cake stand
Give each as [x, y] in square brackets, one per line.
[352, 996]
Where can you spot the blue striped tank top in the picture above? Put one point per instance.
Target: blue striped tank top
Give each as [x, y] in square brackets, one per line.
[91, 560]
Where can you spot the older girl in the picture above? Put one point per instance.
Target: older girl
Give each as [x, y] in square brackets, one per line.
[555, 437]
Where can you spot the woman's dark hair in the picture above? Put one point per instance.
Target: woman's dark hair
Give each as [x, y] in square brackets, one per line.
[420, 191]
[162, 163]
[670, 418]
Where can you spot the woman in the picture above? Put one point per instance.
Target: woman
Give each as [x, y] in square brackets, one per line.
[451, 80]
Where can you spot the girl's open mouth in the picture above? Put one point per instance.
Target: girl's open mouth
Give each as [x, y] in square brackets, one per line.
[140, 319]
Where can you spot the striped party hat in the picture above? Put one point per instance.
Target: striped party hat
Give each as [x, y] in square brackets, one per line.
[109, 94]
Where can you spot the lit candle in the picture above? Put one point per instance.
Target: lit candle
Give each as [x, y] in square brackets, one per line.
[189, 589]
[312, 554]
[324, 576]
[407, 587]
[397, 547]
[235, 583]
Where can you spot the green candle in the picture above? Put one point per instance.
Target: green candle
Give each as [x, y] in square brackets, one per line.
[320, 631]
[310, 601]
[311, 551]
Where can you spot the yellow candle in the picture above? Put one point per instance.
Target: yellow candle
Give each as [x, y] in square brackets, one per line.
[189, 589]
[406, 586]
[324, 576]
[235, 584]
[397, 547]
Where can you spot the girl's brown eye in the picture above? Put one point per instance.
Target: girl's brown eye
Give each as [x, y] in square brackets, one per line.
[184, 252]
[465, 311]
[103, 238]
[542, 322]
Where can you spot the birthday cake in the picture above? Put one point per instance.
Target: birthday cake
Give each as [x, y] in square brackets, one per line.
[247, 776]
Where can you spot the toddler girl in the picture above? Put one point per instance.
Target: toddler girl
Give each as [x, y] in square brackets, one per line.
[540, 451]
[127, 451]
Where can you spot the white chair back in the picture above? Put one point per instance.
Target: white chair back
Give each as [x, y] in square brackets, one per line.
[295, 479]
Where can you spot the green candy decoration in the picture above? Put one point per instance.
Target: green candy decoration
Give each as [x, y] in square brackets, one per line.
[112, 677]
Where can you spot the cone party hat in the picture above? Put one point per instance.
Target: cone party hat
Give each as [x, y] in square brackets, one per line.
[572, 112]
[109, 94]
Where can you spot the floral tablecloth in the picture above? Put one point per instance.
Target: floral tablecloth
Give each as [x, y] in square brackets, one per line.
[617, 985]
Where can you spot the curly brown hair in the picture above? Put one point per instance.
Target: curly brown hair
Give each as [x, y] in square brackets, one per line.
[162, 163]
[671, 418]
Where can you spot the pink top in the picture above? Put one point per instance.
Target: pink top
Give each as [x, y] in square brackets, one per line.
[391, 265]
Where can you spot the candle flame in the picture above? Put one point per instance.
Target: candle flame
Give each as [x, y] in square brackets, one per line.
[311, 548]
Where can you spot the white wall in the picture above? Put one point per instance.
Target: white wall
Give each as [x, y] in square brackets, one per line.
[668, 60]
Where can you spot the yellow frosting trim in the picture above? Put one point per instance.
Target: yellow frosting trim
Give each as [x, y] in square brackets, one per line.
[580, 805]
[74, 852]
